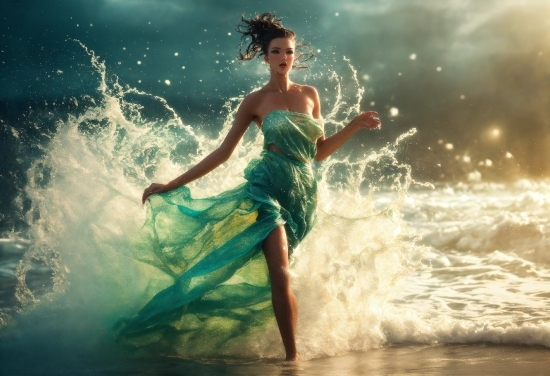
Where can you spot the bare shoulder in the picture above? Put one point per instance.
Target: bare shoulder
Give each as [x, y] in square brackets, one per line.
[250, 107]
[310, 91]
[251, 102]
[252, 98]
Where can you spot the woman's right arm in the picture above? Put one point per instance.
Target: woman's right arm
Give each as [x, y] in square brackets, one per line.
[244, 116]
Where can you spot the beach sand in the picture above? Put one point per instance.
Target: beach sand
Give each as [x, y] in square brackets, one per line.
[403, 360]
[438, 360]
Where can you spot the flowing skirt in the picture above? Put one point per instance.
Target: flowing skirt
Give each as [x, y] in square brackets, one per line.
[211, 248]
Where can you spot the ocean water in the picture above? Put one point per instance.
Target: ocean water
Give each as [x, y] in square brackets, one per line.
[392, 266]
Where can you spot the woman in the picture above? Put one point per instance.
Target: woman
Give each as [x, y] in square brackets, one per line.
[272, 212]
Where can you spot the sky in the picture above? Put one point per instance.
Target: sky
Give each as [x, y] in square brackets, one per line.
[473, 77]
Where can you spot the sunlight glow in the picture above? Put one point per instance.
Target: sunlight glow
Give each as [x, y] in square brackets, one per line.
[493, 132]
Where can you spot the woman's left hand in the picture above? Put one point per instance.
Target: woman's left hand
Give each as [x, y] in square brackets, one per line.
[368, 120]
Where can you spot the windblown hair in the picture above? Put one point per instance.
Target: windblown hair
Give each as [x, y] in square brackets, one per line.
[260, 30]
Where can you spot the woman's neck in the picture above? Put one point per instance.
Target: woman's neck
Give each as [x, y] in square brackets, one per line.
[280, 82]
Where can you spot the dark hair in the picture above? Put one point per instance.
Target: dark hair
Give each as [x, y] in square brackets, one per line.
[261, 30]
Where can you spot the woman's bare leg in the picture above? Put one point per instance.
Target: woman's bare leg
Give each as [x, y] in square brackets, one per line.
[275, 248]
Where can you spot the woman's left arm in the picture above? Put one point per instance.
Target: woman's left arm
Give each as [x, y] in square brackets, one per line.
[327, 146]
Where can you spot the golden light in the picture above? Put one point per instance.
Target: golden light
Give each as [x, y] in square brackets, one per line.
[493, 133]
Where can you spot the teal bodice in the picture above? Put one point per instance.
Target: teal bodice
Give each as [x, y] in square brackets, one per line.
[294, 133]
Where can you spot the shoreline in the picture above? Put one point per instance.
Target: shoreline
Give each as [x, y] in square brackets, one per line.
[462, 359]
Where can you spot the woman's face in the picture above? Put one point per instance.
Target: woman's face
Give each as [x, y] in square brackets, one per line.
[280, 55]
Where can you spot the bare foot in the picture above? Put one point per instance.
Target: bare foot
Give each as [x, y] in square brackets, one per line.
[292, 358]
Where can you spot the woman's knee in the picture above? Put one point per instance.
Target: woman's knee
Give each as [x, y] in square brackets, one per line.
[276, 254]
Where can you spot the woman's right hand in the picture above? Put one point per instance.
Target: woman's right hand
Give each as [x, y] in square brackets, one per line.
[153, 189]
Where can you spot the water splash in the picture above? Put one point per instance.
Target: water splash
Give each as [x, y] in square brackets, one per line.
[85, 194]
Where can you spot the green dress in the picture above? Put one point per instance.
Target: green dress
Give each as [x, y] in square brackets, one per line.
[211, 247]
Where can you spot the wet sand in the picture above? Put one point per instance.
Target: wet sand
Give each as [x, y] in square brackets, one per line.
[406, 360]
[438, 360]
